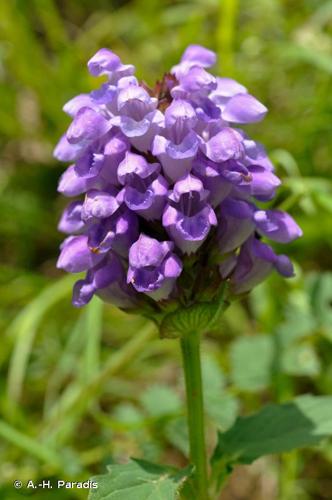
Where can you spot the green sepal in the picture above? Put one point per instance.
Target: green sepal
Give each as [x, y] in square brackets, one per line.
[198, 317]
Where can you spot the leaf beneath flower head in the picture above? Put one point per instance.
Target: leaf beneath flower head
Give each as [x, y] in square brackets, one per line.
[139, 480]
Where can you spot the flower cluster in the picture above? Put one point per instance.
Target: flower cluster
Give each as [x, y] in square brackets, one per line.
[170, 184]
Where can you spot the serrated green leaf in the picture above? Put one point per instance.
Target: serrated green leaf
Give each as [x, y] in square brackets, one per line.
[276, 429]
[139, 480]
[159, 400]
[251, 362]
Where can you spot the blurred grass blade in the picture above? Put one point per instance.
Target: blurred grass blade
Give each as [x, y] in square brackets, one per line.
[66, 364]
[24, 329]
[77, 397]
[29, 445]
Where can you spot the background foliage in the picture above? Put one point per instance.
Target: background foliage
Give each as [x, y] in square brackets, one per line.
[81, 389]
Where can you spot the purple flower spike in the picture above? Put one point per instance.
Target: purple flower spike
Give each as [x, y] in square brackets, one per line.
[145, 190]
[255, 262]
[187, 217]
[105, 62]
[153, 268]
[167, 159]
[76, 256]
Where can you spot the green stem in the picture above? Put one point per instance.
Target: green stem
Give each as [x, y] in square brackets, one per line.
[190, 345]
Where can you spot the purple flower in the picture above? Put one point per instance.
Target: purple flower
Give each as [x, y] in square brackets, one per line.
[145, 190]
[105, 62]
[65, 151]
[243, 108]
[153, 268]
[188, 217]
[194, 84]
[277, 225]
[167, 162]
[212, 176]
[76, 256]
[101, 159]
[99, 204]
[236, 223]
[115, 233]
[71, 220]
[78, 102]
[138, 118]
[87, 126]
[194, 55]
[226, 145]
[226, 88]
[178, 145]
[113, 153]
[107, 280]
[71, 184]
[239, 219]
[255, 262]
[263, 183]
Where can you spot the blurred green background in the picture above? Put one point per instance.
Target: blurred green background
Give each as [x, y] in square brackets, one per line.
[80, 389]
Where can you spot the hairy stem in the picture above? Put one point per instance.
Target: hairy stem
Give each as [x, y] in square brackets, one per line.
[190, 346]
